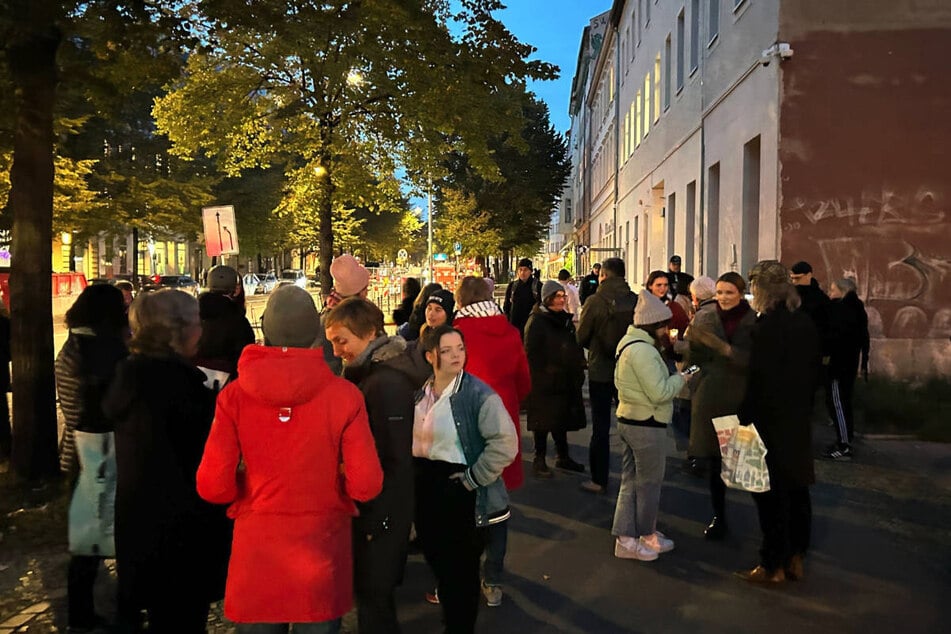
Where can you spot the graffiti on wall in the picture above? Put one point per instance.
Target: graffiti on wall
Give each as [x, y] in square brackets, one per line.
[894, 245]
[882, 207]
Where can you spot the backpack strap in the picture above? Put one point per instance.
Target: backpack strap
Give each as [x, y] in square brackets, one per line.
[617, 357]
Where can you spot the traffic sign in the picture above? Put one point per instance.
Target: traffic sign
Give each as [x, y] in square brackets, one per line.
[457, 247]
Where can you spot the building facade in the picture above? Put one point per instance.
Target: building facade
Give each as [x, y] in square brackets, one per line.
[797, 129]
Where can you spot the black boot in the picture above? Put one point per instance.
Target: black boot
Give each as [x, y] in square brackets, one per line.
[540, 467]
[716, 531]
[567, 464]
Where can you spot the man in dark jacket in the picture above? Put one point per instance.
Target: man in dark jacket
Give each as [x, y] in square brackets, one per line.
[378, 365]
[589, 283]
[521, 296]
[679, 281]
[815, 302]
[783, 371]
[848, 342]
[225, 331]
[604, 320]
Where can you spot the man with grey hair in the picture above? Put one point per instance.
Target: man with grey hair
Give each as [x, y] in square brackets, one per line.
[848, 343]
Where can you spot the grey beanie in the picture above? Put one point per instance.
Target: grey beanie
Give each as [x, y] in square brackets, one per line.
[290, 318]
[703, 288]
[650, 310]
[549, 288]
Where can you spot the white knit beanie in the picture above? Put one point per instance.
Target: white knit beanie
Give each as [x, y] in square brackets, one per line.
[650, 310]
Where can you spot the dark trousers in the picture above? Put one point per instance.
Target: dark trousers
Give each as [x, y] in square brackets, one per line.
[839, 403]
[785, 518]
[680, 423]
[717, 488]
[184, 616]
[378, 569]
[452, 544]
[541, 443]
[603, 396]
[81, 579]
[6, 435]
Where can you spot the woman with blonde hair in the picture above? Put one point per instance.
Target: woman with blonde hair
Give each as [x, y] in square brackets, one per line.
[783, 370]
[171, 546]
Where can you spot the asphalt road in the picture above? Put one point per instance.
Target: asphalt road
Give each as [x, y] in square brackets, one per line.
[881, 556]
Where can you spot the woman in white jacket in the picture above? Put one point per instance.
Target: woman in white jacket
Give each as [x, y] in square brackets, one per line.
[646, 391]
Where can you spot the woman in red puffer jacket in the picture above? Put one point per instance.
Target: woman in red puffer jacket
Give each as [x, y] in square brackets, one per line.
[495, 355]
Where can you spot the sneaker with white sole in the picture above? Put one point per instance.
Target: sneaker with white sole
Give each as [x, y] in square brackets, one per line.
[657, 542]
[840, 452]
[493, 595]
[638, 551]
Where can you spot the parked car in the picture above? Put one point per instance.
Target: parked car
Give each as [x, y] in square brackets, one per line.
[269, 281]
[294, 276]
[252, 284]
[181, 282]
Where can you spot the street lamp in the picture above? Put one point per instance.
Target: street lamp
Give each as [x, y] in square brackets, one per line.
[429, 214]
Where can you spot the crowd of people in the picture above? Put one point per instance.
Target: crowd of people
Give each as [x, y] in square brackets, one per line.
[292, 478]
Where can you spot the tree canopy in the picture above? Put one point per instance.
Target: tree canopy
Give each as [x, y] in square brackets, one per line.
[343, 92]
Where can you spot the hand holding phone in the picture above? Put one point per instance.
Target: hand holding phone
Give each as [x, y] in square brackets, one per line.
[691, 370]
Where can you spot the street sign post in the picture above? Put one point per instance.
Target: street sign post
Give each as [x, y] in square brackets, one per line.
[221, 233]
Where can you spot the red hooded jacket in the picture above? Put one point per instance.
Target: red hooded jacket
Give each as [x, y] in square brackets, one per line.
[291, 449]
[495, 355]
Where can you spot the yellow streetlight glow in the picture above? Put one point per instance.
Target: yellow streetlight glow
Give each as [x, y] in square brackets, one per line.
[354, 78]
[320, 171]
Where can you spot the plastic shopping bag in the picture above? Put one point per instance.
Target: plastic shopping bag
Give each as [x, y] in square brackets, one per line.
[92, 509]
[725, 426]
[744, 461]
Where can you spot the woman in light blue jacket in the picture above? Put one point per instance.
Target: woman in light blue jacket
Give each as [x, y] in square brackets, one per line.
[646, 391]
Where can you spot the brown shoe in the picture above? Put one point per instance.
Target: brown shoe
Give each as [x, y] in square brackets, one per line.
[794, 569]
[761, 575]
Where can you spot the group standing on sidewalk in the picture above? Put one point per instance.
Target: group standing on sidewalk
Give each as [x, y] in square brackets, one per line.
[291, 490]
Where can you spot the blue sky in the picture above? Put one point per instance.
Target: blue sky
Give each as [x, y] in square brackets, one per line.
[553, 27]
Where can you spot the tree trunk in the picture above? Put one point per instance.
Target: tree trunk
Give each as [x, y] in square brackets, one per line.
[32, 63]
[325, 229]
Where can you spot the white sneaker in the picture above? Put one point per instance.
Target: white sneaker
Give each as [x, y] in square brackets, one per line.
[639, 551]
[657, 542]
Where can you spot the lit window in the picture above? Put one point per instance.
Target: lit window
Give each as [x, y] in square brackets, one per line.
[637, 119]
[647, 104]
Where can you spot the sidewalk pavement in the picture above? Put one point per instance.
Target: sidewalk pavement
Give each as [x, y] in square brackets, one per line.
[880, 557]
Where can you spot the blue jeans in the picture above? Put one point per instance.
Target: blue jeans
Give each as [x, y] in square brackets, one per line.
[497, 539]
[642, 474]
[602, 396]
[323, 627]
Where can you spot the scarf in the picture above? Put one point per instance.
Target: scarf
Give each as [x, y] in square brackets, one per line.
[487, 308]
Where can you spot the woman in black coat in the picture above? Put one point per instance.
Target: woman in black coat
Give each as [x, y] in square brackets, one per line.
[84, 369]
[556, 363]
[388, 378]
[783, 370]
[172, 547]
